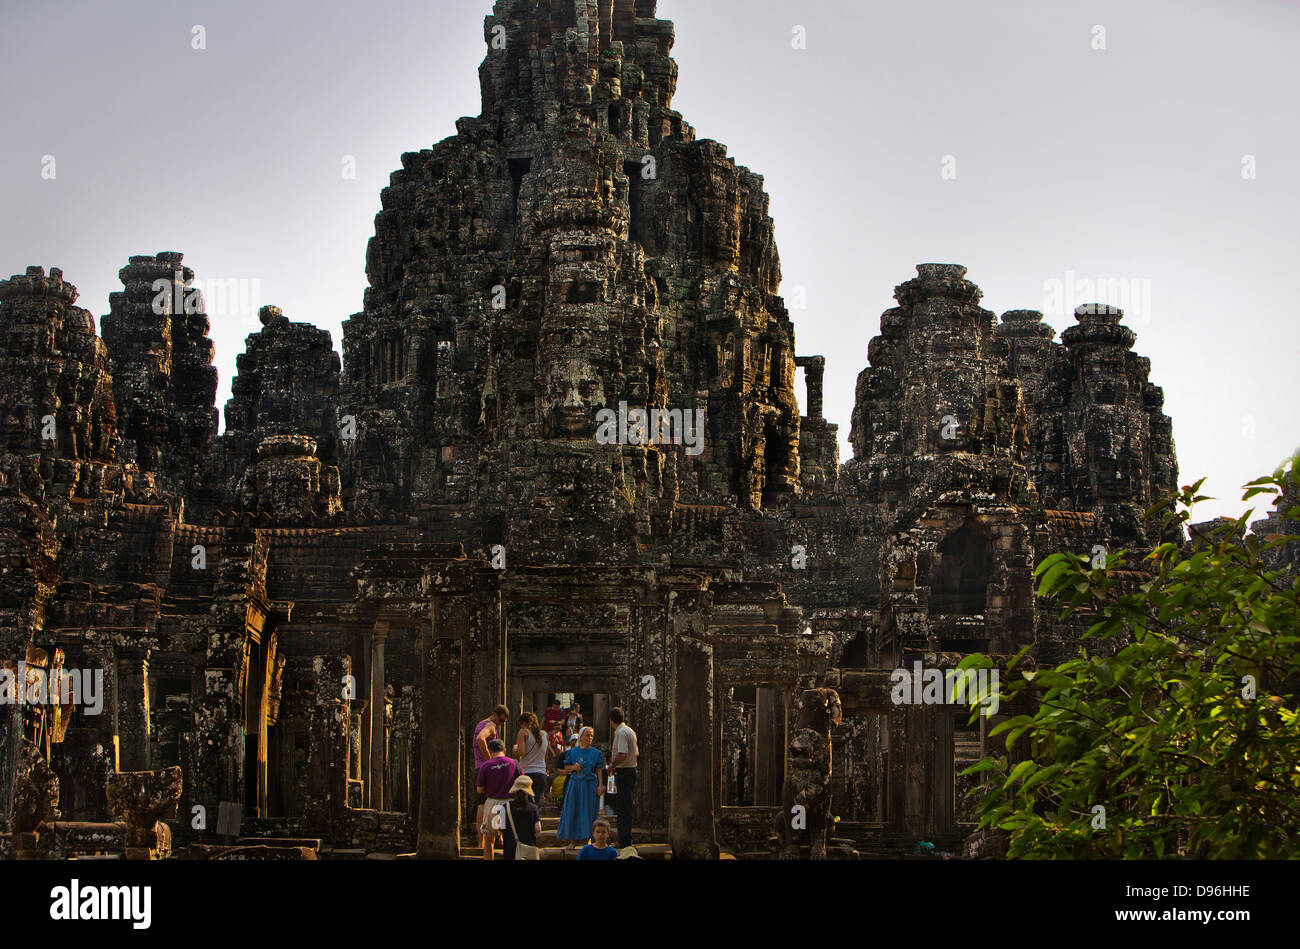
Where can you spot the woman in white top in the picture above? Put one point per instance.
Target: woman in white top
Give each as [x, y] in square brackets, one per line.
[533, 752]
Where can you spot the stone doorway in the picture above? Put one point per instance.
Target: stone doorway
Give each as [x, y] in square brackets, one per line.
[961, 581]
[595, 707]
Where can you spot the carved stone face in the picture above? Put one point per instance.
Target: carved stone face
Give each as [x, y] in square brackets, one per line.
[574, 392]
[801, 751]
[822, 709]
[15, 433]
[834, 709]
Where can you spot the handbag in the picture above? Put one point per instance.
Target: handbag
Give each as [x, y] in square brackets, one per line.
[523, 851]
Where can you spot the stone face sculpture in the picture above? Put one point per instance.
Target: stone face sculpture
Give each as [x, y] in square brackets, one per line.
[164, 382]
[805, 798]
[574, 392]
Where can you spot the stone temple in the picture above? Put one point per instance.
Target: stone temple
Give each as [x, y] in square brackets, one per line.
[297, 622]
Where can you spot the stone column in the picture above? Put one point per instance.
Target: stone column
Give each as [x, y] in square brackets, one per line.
[362, 728]
[356, 774]
[770, 755]
[719, 743]
[518, 699]
[814, 372]
[413, 755]
[11, 743]
[441, 743]
[133, 708]
[646, 702]
[327, 743]
[943, 818]
[397, 795]
[103, 656]
[472, 608]
[219, 724]
[921, 795]
[782, 702]
[485, 666]
[731, 745]
[598, 717]
[691, 831]
[375, 777]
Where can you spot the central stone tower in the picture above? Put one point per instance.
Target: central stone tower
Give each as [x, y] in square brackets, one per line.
[572, 249]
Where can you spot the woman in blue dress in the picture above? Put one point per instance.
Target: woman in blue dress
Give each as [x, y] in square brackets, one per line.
[582, 790]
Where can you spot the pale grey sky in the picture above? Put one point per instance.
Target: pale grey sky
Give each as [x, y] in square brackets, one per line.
[1072, 163]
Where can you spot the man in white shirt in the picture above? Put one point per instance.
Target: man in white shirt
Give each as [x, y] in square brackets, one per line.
[622, 760]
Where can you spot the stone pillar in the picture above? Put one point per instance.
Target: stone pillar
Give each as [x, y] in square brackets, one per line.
[769, 758]
[943, 782]
[327, 744]
[731, 747]
[598, 717]
[413, 755]
[441, 743]
[11, 744]
[133, 708]
[375, 775]
[219, 722]
[362, 728]
[719, 743]
[485, 659]
[786, 712]
[471, 607]
[518, 699]
[691, 831]
[921, 795]
[101, 655]
[814, 372]
[397, 793]
[647, 705]
[354, 740]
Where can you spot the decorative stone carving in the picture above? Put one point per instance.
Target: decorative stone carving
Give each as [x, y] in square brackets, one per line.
[805, 802]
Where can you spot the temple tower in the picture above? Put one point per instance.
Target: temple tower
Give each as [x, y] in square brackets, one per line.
[571, 250]
[164, 382]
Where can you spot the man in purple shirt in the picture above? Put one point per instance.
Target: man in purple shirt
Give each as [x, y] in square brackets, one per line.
[486, 730]
[495, 778]
[491, 727]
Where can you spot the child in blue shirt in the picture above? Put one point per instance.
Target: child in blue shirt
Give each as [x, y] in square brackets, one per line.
[597, 849]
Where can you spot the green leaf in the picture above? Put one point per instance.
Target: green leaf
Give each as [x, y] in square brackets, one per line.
[1018, 772]
[987, 764]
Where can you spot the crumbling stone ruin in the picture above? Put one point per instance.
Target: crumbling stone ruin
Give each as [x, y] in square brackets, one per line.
[562, 452]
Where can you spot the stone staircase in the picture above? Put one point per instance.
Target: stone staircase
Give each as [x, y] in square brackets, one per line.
[552, 849]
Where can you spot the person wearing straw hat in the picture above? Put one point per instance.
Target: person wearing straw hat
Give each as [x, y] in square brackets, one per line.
[523, 822]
